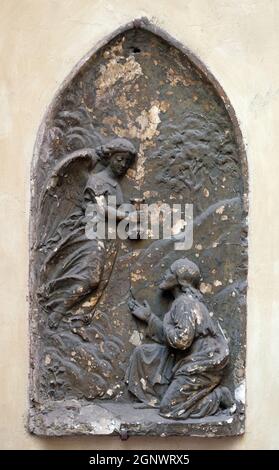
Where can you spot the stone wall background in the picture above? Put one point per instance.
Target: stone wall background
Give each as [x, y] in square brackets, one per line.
[41, 41]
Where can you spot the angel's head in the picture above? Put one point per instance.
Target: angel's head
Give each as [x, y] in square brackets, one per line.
[119, 154]
[181, 273]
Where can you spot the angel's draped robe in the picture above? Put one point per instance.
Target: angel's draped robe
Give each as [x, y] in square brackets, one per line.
[75, 265]
[180, 372]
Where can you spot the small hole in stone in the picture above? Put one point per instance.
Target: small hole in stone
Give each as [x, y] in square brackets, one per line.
[135, 50]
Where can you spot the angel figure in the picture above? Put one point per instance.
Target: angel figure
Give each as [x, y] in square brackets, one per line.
[74, 265]
[181, 370]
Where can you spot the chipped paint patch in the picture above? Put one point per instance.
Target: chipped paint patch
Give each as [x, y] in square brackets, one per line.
[205, 288]
[143, 382]
[240, 392]
[136, 338]
[91, 302]
[220, 210]
[47, 359]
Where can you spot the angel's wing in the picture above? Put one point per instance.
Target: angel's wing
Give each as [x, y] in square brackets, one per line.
[66, 155]
[62, 193]
[87, 158]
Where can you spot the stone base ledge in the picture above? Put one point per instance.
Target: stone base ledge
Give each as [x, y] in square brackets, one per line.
[72, 417]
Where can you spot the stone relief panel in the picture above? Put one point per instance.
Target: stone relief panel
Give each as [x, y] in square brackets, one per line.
[133, 336]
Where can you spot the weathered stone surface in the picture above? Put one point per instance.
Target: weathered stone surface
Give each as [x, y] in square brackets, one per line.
[72, 417]
[141, 87]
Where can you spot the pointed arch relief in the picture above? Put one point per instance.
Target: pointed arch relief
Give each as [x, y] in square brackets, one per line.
[131, 335]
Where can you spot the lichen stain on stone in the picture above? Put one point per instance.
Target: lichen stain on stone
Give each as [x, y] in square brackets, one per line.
[149, 121]
[174, 79]
[112, 121]
[146, 124]
[126, 70]
[144, 127]
[148, 194]
[136, 276]
[114, 50]
[125, 103]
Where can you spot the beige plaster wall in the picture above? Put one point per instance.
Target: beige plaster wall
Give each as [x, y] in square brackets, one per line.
[41, 41]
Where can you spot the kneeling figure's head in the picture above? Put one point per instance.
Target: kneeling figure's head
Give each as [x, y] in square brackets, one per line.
[183, 273]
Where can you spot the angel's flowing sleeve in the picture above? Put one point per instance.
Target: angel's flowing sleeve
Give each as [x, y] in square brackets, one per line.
[179, 325]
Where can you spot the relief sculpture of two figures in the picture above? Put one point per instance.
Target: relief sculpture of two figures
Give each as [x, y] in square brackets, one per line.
[140, 333]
